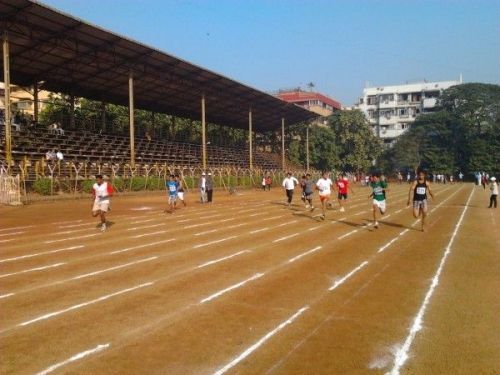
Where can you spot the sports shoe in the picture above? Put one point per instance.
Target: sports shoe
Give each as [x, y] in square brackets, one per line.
[322, 217]
[307, 206]
[375, 225]
[342, 209]
[103, 227]
[312, 208]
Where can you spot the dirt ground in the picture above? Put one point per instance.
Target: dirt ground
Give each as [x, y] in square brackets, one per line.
[248, 286]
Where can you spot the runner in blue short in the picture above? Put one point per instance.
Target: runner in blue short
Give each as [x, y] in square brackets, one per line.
[171, 187]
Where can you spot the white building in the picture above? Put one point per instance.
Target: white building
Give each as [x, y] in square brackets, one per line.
[392, 109]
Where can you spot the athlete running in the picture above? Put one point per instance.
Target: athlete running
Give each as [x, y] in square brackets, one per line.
[309, 191]
[180, 189]
[102, 192]
[419, 189]
[378, 188]
[343, 190]
[171, 187]
[324, 186]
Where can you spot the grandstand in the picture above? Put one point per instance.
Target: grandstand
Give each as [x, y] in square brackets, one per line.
[49, 50]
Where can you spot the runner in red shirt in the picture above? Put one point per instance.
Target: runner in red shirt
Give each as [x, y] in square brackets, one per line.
[343, 189]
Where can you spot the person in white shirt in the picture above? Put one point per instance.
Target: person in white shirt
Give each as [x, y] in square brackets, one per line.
[289, 184]
[324, 186]
[101, 192]
[202, 184]
[494, 192]
[59, 155]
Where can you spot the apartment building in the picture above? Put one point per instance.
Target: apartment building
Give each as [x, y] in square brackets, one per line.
[313, 101]
[392, 109]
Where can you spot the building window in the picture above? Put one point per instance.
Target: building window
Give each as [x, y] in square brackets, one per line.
[372, 100]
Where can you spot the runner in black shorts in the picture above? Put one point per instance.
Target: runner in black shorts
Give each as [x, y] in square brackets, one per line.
[419, 188]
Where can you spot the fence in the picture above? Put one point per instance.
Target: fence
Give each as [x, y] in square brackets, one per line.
[74, 177]
[10, 188]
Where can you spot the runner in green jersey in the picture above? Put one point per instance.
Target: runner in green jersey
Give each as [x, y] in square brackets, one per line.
[378, 189]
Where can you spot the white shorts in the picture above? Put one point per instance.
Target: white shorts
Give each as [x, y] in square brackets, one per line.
[379, 204]
[180, 194]
[100, 206]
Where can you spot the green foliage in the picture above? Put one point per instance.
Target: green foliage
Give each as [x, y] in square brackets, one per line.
[462, 136]
[87, 186]
[42, 186]
[137, 183]
[119, 184]
[155, 183]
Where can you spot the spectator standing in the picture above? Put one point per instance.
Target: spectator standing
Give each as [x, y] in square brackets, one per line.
[289, 183]
[202, 185]
[263, 183]
[269, 182]
[209, 187]
[59, 155]
[494, 192]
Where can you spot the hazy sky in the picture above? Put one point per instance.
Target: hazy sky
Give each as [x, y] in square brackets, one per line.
[337, 45]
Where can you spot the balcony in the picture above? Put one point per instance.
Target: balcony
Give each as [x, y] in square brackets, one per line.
[429, 102]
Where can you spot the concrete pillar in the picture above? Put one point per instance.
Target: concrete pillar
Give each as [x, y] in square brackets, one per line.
[283, 164]
[6, 76]
[131, 118]
[36, 108]
[250, 139]
[203, 133]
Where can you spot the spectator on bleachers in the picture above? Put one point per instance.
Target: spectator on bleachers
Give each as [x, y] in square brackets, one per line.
[148, 137]
[53, 128]
[269, 182]
[59, 155]
[59, 130]
[50, 156]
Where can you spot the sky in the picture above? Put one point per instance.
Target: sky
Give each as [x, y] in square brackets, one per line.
[340, 46]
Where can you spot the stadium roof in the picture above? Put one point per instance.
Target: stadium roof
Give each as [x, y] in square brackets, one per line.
[74, 57]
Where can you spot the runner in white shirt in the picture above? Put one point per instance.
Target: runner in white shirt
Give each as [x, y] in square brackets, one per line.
[324, 186]
[102, 192]
[289, 184]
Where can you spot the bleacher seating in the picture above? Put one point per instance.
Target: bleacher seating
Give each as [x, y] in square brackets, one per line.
[87, 147]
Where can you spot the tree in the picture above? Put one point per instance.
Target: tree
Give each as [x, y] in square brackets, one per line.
[357, 145]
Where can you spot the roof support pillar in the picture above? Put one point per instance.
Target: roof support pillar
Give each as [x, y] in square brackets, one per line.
[6, 75]
[203, 133]
[72, 111]
[283, 165]
[250, 139]
[307, 147]
[103, 116]
[131, 118]
[36, 108]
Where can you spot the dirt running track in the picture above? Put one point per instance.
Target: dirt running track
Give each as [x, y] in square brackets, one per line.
[249, 286]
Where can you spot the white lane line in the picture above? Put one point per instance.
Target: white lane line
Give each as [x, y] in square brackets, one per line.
[3, 241]
[213, 242]
[42, 253]
[339, 282]
[70, 231]
[236, 226]
[273, 217]
[147, 234]
[16, 228]
[141, 221]
[113, 268]
[206, 232]
[282, 225]
[259, 230]
[74, 225]
[257, 214]
[304, 254]
[285, 237]
[184, 220]
[313, 228]
[209, 263]
[31, 270]
[347, 234]
[12, 233]
[259, 343]
[232, 287]
[80, 305]
[402, 354]
[72, 238]
[388, 244]
[194, 225]
[141, 246]
[146, 227]
[225, 220]
[66, 222]
[7, 295]
[76, 357]
[360, 213]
